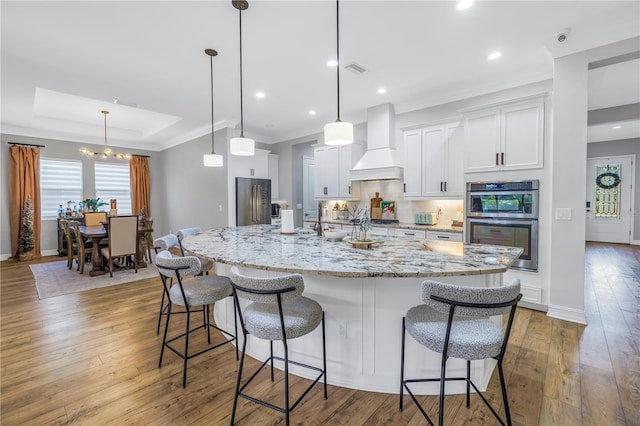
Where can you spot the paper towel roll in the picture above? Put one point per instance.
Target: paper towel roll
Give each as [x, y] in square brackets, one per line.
[286, 221]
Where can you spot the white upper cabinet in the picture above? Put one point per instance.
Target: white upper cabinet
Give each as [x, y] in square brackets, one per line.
[274, 162]
[433, 162]
[333, 171]
[253, 166]
[508, 137]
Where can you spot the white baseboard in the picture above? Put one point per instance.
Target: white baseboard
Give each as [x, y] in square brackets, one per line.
[567, 314]
[635, 242]
[4, 256]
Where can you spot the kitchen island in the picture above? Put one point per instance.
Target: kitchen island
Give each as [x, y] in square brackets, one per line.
[364, 293]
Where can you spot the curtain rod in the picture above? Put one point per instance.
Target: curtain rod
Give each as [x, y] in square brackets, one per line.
[25, 144]
[142, 156]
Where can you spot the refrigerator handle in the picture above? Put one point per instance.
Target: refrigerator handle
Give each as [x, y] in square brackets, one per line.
[253, 204]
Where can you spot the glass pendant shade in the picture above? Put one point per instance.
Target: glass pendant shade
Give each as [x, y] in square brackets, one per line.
[242, 146]
[338, 133]
[213, 160]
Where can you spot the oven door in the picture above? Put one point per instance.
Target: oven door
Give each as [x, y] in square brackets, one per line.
[503, 204]
[521, 233]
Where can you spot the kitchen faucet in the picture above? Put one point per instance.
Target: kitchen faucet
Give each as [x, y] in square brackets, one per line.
[318, 226]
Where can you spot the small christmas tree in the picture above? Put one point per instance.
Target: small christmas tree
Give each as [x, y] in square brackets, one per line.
[25, 238]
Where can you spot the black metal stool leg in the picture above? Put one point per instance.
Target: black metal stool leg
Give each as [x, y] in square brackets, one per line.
[442, 382]
[324, 357]
[286, 382]
[468, 383]
[186, 348]
[504, 393]
[402, 364]
[164, 337]
[160, 314]
[271, 348]
[239, 380]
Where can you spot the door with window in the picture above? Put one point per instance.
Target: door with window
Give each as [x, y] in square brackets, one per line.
[609, 199]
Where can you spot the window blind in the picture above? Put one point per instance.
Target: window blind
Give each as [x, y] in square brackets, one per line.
[60, 182]
[113, 182]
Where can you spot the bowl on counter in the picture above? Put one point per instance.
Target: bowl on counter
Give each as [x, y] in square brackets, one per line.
[335, 235]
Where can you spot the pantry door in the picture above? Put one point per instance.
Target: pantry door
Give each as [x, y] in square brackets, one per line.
[609, 199]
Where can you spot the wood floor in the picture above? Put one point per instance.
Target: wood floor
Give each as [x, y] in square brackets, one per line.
[91, 358]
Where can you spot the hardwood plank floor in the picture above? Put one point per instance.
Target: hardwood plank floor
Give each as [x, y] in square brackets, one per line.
[92, 358]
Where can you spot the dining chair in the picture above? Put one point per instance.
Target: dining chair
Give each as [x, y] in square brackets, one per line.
[94, 218]
[147, 241]
[72, 249]
[83, 247]
[198, 290]
[123, 240]
[455, 321]
[277, 311]
[207, 264]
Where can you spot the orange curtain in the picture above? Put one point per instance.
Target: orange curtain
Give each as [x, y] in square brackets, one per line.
[24, 181]
[140, 185]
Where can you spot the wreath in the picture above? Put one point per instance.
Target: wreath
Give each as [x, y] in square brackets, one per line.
[602, 179]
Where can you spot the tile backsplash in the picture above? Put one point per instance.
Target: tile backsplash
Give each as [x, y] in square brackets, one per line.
[392, 190]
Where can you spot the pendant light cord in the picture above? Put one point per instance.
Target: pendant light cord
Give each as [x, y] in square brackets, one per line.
[241, 108]
[338, 53]
[213, 150]
[105, 129]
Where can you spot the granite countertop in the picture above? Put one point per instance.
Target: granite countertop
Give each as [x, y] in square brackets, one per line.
[401, 225]
[264, 247]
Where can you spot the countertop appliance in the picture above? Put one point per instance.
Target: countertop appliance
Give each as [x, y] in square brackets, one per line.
[253, 201]
[426, 218]
[275, 210]
[505, 214]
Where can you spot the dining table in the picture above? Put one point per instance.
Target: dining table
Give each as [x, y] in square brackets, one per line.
[96, 233]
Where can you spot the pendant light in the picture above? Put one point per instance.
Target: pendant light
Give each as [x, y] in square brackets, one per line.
[213, 159]
[241, 145]
[339, 132]
[107, 152]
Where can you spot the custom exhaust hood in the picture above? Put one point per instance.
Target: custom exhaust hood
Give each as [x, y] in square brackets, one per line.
[381, 161]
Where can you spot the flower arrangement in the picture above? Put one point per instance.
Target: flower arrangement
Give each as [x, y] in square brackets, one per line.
[92, 204]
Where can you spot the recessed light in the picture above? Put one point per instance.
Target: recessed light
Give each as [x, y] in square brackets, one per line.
[312, 112]
[382, 90]
[260, 95]
[464, 4]
[494, 55]
[332, 63]
[616, 127]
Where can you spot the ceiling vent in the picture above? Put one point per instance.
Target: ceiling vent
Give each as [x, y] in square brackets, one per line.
[356, 68]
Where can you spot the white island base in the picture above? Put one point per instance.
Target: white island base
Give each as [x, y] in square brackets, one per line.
[363, 319]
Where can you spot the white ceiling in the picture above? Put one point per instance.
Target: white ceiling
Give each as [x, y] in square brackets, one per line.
[63, 62]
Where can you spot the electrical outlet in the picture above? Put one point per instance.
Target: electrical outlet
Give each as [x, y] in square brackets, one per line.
[219, 207]
[342, 329]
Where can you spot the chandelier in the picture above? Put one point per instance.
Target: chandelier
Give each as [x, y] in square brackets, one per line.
[107, 152]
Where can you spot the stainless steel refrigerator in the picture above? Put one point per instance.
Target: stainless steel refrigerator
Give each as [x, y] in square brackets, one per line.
[253, 201]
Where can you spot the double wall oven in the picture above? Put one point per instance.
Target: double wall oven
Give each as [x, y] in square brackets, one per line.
[505, 214]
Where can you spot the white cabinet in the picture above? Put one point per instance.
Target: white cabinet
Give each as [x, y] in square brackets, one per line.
[444, 236]
[508, 137]
[434, 162]
[333, 171]
[379, 230]
[273, 170]
[256, 166]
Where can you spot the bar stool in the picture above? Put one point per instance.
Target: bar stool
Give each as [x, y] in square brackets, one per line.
[207, 264]
[454, 321]
[197, 291]
[278, 312]
[166, 242]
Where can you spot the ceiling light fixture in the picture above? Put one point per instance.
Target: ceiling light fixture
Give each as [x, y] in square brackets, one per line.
[332, 63]
[241, 145]
[339, 132]
[312, 112]
[617, 127]
[382, 90]
[107, 152]
[213, 159]
[494, 55]
[260, 95]
[464, 4]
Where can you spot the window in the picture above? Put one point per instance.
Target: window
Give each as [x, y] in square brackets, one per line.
[607, 191]
[60, 182]
[113, 182]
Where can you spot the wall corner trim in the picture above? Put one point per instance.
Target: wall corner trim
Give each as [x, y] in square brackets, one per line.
[567, 314]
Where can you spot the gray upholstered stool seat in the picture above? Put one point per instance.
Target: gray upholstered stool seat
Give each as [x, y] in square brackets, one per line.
[206, 265]
[470, 338]
[201, 290]
[301, 316]
[276, 304]
[455, 321]
[190, 292]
